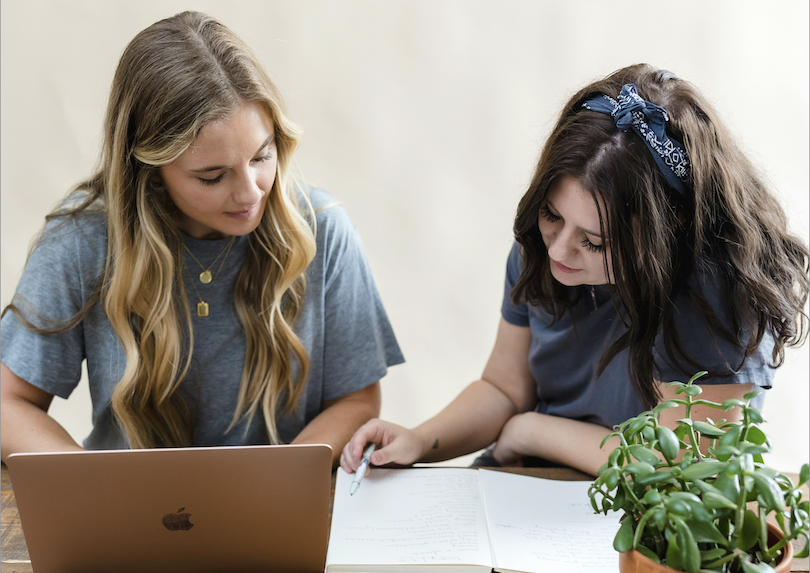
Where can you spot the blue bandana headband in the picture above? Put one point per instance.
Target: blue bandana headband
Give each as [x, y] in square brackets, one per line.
[649, 122]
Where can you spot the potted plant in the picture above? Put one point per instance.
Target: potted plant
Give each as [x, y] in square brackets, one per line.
[690, 511]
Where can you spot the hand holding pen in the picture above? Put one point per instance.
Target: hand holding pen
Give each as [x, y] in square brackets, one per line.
[395, 445]
[361, 469]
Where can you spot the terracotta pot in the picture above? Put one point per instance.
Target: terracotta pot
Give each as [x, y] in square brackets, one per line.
[634, 562]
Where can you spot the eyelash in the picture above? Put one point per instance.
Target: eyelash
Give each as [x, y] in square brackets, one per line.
[590, 247]
[552, 218]
[218, 178]
[548, 215]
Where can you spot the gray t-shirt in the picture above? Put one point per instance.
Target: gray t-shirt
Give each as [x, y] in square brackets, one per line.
[564, 356]
[343, 327]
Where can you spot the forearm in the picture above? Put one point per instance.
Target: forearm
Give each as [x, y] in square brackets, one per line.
[340, 419]
[25, 427]
[562, 440]
[469, 423]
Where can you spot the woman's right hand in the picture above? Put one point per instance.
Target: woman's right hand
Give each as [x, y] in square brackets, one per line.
[395, 444]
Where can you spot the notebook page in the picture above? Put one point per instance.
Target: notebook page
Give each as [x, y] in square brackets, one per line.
[409, 517]
[540, 525]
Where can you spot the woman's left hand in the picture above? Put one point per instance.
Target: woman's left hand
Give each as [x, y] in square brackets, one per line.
[508, 450]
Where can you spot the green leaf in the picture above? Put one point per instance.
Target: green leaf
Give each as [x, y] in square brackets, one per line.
[624, 537]
[751, 395]
[749, 567]
[684, 496]
[664, 406]
[806, 551]
[660, 518]
[668, 441]
[680, 432]
[697, 375]
[637, 424]
[692, 391]
[673, 555]
[611, 479]
[770, 472]
[726, 450]
[702, 470]
[715, 501]
[705, 487]
[707, 429]
[648, 432]
[699, 512]
[731, 402]
[642, 454]
[651, 497]
[639, 468]
[750, 531]
[712, 554]
[678, 507]
[770, 494]
[655, 477]
[648, 553]
[618, 499]
[749, 448]
[756, 436]
[706, 532]
[729, 485]
[755, 415]
[690, 554]
[804, 474]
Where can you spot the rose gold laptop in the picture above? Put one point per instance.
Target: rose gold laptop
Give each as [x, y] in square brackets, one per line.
[240, 508]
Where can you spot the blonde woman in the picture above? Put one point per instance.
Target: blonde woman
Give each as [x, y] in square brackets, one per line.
[214, 299]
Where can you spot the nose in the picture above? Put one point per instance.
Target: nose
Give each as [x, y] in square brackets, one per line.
[248, 189]
[561, 246]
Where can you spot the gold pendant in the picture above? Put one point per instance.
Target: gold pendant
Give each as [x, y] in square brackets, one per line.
[205, 277]
[202, 308]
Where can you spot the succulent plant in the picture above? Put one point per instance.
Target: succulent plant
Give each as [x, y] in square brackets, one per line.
[700, 512]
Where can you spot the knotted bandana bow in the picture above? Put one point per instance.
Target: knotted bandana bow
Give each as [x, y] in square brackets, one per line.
[649, 121]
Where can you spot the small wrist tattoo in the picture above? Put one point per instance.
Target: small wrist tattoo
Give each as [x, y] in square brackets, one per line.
[436, 444]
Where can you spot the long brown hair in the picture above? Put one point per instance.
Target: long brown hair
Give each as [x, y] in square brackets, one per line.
[730, 225]
[175, 77]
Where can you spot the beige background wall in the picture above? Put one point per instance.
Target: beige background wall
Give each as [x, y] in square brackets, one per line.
[425, 118]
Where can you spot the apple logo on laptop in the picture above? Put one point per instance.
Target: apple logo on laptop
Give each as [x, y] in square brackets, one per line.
[177, 521]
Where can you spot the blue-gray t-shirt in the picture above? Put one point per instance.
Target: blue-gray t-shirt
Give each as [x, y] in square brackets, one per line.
[564, 355]
[343, 327]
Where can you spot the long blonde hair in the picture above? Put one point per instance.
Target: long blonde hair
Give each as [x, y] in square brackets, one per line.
[175, 77]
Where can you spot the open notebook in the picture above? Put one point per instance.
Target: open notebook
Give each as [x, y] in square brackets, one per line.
[460, 519]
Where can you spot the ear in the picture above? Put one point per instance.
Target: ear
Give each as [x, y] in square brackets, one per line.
[156, 181]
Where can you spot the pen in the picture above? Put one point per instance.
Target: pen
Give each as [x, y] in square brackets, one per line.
[361, 469]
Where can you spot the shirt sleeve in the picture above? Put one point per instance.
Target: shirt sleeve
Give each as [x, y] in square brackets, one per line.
[359, 342]
[53, 288]
[708, 347]
[512, 313]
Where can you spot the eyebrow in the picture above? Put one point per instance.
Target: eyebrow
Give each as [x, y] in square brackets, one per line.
[586, 231]
[218, 167]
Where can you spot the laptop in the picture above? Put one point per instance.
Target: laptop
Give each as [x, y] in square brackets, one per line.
[214, 509]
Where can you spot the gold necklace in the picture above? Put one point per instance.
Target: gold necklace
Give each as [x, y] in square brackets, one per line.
[202, 306]
[206, 276]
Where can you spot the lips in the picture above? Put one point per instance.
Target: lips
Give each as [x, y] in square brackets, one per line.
[565, 269]
[244, 214]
